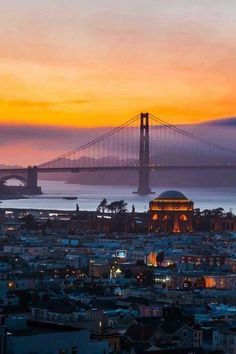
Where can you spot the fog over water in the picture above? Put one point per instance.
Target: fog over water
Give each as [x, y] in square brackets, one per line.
[90, 196]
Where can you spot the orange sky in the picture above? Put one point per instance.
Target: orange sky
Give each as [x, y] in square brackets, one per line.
[98, 63]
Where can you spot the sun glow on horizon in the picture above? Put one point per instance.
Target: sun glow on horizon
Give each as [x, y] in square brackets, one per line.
[82, 65]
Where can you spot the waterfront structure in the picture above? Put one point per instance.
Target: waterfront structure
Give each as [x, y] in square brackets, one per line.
[132, 157]
[171, 212]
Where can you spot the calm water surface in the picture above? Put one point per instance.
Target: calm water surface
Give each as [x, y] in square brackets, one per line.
[90, 196]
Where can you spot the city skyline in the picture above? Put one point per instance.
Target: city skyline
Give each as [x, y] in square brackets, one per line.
[117, 177]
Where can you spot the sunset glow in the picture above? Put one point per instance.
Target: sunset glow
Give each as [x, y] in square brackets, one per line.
[77, 64]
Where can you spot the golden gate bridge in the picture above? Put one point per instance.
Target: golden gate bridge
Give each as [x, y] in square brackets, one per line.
[145, 143]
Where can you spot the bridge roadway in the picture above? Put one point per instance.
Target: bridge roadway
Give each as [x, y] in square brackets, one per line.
[121, 168]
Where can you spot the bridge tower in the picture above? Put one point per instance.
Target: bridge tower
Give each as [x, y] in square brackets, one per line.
[144, 170]
[32, 181]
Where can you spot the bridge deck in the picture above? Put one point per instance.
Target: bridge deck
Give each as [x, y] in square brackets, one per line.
[119, 168]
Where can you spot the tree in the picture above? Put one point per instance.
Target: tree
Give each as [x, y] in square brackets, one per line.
[118, 206]
[45, 226]
[197, 212]
[146, 278]
[111, 207]
[102, 206]
[229, 215]
[30, 222]
[219, 212]
[206, 213]
[122, 206]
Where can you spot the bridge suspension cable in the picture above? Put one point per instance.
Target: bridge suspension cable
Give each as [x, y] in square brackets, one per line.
[190, 135]
[92, 142]
[154, 144]
[120, 146]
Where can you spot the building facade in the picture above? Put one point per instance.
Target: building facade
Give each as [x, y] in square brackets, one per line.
[171, 212]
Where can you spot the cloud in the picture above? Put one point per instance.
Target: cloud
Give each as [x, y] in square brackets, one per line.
[226, 122]
[67, 137]
[31, 144]
[47, 137]
[42, 104]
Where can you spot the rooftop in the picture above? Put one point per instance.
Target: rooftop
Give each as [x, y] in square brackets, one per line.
[171, 194]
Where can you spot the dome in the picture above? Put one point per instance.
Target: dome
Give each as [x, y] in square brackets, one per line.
[171, 195]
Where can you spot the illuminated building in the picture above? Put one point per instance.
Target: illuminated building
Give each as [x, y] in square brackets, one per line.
[171, 212]
[203, 261]
[220, 281]
[151, 259]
